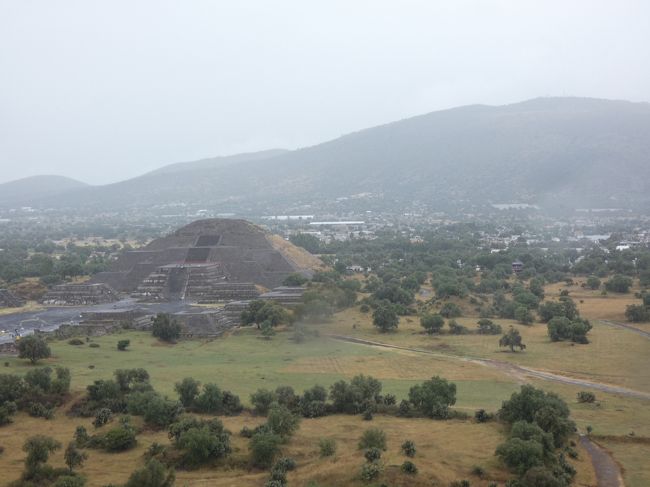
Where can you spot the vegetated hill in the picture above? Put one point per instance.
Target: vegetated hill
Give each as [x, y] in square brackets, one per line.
[36, 187]
[571, 152]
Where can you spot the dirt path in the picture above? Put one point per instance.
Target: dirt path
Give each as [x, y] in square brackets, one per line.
[516, 371]
[607, 471]
[625, 326]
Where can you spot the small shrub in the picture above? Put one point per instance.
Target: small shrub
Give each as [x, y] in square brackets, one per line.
[460, 483]
[93, 345]
[586, 397]
[123, 344]
[75, 341]
[119, 439]
[373, 438]
[285, 464]
[372, 454]
[367, 415]
[102, 417]
[370, 471]
[327, 447]
[409, 467]
[404, 408]
[408, 447]
[482, 416]
[478, 471]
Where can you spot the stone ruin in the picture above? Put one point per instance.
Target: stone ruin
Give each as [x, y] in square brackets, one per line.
[208, 261]
[80, 294]
[10, 300]
[285, 295]
[201, 283]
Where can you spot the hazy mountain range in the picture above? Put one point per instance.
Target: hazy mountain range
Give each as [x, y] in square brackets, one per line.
[576, 152]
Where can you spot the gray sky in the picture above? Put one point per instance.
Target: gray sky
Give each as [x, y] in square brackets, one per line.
[102, 91]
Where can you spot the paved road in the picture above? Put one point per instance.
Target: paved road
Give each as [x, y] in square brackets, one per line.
[511, 369]
[51, 318]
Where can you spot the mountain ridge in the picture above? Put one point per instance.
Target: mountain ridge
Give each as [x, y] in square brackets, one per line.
[548, 151]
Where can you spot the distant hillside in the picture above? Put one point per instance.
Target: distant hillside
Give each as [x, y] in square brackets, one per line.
[216, 162]
[570, 152]
[33, 188]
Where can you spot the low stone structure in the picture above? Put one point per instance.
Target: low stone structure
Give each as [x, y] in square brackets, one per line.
[80, 294]
[285, 295]
[10, 300]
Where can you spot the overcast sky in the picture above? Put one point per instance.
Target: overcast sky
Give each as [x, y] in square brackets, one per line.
[102, 91]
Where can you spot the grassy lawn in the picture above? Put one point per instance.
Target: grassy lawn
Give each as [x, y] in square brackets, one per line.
[243, 363]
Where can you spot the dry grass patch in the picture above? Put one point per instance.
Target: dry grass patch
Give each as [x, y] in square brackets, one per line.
[446, 451]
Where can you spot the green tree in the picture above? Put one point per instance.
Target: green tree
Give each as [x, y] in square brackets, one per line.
[433, 397]
[166, 328]
[153, 474]
[187, 390]
[204, 443]
[262, 400]
[33, 348]
[210, 400]
[385, 318]
[265, 448]
[523, 315]
[521, 455]
[38, 449]
[282, 422]
[432, 323]
[593, 282]
[294, 280]
[512, 339]
[73, 456]
[618, 284]
[488, 327]
[119, 439]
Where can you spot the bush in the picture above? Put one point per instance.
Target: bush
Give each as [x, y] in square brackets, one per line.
[433, 397]
[451, 310]
[409, 467]
[408, 447]
[93, 345]
[166, 328]
[432, 323]
[264, 447]
[370, 471]
[187, 390]
[123, 344]
[482, 416]
[153, 474]
[372, 454]
[102, 417]
[585, 396]
[488, 327]
[119, 439]
[33, 348]
[285, 464]
[457, 329]
[282, 422]
[75, 341]
[327, 447]
[201, 441]
[478, 471]
[373, 438]
[618, 284]
[262, 400]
